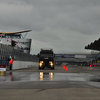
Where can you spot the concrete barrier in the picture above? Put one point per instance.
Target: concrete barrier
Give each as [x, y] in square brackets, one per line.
[24, 64]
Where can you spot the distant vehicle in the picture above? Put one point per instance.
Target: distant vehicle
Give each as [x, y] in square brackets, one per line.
[46, 59]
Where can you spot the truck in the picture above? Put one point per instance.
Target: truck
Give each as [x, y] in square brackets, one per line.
[46, 58]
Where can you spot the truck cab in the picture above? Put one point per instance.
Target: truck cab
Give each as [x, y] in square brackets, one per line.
[46, 59]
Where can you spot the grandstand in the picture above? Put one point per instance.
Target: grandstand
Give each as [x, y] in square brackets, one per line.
[19, 38]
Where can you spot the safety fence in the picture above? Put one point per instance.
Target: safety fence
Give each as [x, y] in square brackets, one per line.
[7, 51]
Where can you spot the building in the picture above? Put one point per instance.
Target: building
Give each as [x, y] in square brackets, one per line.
[77, 59]
[20, 41]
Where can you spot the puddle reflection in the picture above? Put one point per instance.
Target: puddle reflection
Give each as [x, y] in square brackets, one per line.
[11, 76]
[23, 76]
[44, 75]
[2, 75]
[2, 78]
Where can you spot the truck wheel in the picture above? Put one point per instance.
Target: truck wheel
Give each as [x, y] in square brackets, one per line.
[52, 68]
[40, 68]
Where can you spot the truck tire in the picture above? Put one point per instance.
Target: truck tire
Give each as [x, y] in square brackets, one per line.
[52, 68]
[40, 67]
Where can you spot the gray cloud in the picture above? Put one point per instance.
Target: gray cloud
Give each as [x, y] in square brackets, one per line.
[60, 24]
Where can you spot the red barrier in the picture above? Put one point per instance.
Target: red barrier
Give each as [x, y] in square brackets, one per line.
[2, 66]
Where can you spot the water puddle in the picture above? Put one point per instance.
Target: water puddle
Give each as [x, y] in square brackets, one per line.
[43, 76]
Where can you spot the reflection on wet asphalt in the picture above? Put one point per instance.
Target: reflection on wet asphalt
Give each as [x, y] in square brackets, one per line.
[47, 80]
[45, 76]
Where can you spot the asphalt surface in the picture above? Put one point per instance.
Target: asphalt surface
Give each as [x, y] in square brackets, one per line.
[76, 83]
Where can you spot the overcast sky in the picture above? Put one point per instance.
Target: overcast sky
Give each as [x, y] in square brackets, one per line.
[64, 25]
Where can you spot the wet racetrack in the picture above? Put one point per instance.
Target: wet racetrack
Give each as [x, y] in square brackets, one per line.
[33, 78]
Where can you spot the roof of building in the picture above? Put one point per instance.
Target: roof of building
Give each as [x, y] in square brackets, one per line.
[15, 32]
[94, 45]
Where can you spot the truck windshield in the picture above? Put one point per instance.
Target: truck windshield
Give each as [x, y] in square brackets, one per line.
[46, 55]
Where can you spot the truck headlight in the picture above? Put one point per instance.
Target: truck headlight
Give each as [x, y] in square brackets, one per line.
[51, 63]
[41, 63]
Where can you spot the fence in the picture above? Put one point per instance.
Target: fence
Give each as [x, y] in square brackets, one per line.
[7, 51]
